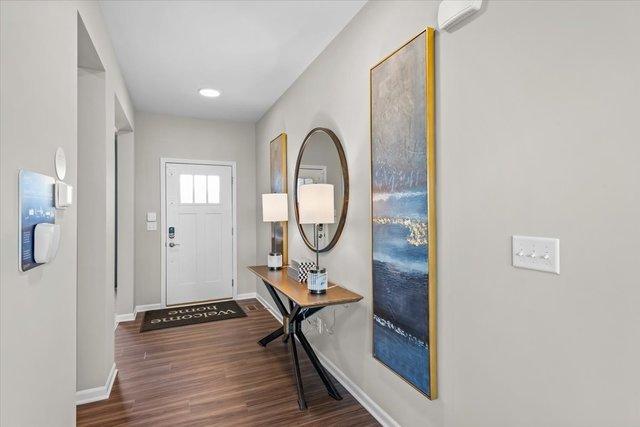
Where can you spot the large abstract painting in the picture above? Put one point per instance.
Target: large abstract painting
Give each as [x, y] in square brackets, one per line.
[403, 212]
[278, 166]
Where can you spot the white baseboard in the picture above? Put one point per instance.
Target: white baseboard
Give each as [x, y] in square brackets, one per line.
[367, 402]
[248, 295]
[268, 306]
[129, 317]
[147, 307]
[97, 393]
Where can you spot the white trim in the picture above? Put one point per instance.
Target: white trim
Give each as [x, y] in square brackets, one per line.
[129, 317]
[363, 398]
[163, 225]
[317, 167]
[248, 295]
[268, 306]
[125, 317]
[147, 307]
[97, 393]
[367, 402]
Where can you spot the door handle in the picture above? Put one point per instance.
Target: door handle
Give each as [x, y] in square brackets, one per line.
[173, 244]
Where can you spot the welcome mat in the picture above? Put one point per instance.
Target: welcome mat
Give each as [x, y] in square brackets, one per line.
[190, 315]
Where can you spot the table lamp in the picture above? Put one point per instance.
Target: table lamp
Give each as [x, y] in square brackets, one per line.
[315, 206]
[274, 209]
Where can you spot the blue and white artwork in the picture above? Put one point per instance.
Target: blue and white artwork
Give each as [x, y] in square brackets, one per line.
[400, 214]
[37, 206]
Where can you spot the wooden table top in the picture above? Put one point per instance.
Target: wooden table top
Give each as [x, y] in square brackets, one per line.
[298, 292]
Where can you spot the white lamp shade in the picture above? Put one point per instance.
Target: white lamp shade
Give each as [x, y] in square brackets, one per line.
[275, 207]
[315, 204]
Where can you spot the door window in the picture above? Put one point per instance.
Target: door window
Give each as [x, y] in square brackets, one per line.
[213, 189]
[200, 189]
[186, 188]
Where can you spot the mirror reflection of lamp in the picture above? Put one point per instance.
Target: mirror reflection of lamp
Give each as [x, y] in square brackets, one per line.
[315, 206]
[275, 208]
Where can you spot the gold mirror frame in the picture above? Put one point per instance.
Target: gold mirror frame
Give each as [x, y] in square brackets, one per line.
[345, 182]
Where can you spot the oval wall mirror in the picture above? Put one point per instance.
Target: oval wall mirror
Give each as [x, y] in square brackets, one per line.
[321, 160]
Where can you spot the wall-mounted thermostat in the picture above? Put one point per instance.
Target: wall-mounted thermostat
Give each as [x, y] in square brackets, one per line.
[36, 208]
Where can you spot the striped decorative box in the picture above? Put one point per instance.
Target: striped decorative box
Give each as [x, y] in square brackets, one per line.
[299, 269]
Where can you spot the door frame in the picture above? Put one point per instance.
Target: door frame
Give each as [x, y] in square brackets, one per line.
[163, 224]
[323, 168]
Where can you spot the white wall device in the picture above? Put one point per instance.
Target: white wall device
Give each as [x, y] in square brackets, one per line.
[536, 253]
[46, 242]
[63, 195]
[451, 12]
[60, 163]
[152, 225]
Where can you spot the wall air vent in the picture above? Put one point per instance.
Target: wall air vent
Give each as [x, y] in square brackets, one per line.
[451, 12]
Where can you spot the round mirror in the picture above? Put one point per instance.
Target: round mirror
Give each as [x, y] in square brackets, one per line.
[322, 161]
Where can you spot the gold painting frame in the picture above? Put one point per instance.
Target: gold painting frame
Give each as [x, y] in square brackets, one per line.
[429, 134]
[279, 184]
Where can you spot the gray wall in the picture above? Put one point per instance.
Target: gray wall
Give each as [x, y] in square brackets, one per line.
[38, 82]
[536, 134]
[37, 375]
[184, 138]
[94, 196]
[126, 217]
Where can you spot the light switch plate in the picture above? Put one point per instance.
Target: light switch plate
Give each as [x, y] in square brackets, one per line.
[152, 226]
[151, 216]
[536, 253]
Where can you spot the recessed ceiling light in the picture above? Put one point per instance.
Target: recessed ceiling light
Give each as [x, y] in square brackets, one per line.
[209, 93]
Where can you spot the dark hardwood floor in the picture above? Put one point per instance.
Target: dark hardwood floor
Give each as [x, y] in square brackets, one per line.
[214, 374]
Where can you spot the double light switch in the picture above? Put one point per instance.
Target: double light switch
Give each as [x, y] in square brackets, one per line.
[152, 225]
[536, 253]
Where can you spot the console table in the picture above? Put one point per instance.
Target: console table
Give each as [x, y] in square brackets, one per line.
[302, 305]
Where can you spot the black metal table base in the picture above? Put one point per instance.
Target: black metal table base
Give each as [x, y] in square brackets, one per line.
[291, 326]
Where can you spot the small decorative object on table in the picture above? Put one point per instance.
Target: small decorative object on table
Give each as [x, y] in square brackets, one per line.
[317, 281]
[315, 205]
[274, 210]
[299, 269]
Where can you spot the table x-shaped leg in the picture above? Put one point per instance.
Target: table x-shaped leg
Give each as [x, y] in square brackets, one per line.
[291, 326]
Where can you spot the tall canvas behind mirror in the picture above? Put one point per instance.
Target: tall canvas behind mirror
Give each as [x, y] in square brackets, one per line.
[278, 167]
[403, 212]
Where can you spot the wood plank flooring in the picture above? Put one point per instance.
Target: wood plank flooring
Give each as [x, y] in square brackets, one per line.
[215, 374]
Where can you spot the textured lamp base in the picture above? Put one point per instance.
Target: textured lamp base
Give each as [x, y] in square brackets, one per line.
[274, 261]
[317, 281]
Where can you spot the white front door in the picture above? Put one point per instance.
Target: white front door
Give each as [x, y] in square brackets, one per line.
[199, 233]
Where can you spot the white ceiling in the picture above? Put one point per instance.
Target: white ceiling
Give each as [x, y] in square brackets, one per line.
[251, 51]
